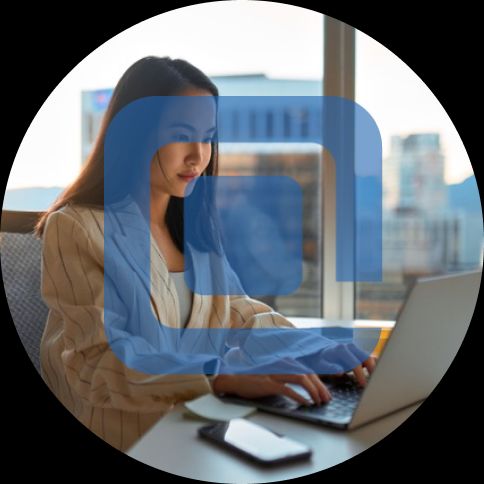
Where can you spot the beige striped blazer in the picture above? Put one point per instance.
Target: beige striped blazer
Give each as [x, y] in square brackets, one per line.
[117, 403]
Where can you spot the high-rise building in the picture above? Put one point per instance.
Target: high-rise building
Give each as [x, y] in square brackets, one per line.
[414, 174]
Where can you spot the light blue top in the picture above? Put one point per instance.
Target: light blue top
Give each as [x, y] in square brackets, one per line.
[185, 296]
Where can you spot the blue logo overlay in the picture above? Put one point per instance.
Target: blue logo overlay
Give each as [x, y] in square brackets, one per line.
[242, 235]
[260, 237]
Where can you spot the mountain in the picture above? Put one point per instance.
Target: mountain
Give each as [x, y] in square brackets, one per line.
[462, 196]
[32, 198]
[465, 196]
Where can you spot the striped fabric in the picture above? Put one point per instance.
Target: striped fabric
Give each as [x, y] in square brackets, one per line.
[119, 404]
[185, 296]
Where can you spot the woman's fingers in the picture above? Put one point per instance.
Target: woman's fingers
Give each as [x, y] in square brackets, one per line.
[360, 375]
[301, 380]
[321, 386]
[311, 382]
[370, 364]
[289, 392]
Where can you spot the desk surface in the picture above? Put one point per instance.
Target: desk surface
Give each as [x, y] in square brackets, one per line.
[173, 446]
[303, 322]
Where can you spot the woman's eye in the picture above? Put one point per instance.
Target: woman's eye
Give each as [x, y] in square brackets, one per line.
[184, 137]
[178, 136]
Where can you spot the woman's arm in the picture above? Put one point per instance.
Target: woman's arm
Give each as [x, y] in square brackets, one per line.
[73, 285]
[247, 312]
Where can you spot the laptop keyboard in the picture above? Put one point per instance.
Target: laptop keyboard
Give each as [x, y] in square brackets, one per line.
[344, 402]
[346, 394]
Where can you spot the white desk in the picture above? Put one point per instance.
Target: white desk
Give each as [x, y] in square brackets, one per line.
[173, 446]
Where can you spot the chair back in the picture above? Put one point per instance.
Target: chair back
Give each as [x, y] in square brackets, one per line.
[20, 255]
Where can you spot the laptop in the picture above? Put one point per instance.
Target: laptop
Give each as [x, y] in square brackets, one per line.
[428, 332]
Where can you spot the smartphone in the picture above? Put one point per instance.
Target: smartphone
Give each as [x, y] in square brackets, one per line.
[254, 441]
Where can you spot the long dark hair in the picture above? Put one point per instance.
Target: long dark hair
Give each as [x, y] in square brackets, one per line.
[149, 76]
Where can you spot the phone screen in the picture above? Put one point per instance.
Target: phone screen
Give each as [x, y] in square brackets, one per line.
[256, 441]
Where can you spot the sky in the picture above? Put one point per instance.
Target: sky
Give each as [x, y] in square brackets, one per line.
[236, 37]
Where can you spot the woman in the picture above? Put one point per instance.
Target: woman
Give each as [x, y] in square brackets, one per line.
[117, 402]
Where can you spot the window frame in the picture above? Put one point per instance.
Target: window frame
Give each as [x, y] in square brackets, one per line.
[338, 299]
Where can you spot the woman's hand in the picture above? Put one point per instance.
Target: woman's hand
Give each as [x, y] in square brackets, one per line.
[369, 364]
[255, 386]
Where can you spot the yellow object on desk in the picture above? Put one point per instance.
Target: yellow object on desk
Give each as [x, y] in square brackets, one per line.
[384, 335]
[366, 333]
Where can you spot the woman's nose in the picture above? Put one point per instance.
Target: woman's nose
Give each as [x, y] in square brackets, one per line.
[197, 152]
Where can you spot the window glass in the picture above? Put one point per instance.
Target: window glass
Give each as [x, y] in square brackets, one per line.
[432, 219]
[289, 62]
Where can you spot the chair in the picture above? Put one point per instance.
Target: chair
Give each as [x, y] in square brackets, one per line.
[20, 253]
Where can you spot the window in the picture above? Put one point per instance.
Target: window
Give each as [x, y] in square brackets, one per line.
[288, 62]
[432, 220]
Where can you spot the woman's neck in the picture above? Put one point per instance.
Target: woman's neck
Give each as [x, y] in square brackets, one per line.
[158, 207]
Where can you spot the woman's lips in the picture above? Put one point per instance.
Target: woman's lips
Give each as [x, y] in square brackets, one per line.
[187, 177]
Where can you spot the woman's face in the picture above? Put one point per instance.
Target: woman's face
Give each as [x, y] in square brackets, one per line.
[186, 153]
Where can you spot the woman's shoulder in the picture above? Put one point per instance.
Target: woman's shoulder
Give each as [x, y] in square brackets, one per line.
[82, 210]
[91, 218]
[74, 231]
